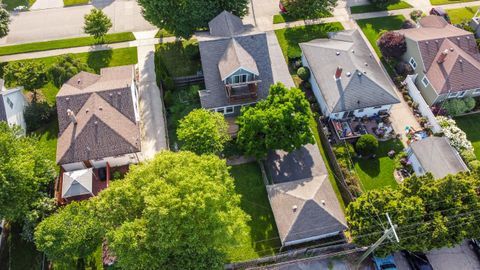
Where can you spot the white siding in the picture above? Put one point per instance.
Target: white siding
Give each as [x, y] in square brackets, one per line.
[135, 100]
[309, 239]
[417, 167]
[15, 113]
[316, 90]
[73, 166]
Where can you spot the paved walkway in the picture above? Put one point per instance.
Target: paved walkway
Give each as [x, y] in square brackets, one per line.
[44, 4]
[153, 129]
[279, 68]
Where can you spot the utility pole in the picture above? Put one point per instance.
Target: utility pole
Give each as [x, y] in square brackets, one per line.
[389, 233]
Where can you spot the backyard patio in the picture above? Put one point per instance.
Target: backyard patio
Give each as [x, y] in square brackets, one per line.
[351, 128]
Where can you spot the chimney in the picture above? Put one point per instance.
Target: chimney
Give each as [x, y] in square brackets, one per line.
[443, 56]
[338, 73]
[72, 117]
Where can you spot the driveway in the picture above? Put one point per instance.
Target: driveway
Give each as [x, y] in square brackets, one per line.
[279, 66]
[153, 122]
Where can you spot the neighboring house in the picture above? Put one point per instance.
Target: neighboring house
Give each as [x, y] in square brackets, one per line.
[302, 198]
[435, 155]
[445, 59]
[98, 120]
[236, 65]
[345, 77]
[12, 106]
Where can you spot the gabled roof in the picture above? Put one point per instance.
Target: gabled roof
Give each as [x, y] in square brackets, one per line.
[437, 156]
[234, 58]
[104, 111]
[363, 83]
[303, 200]
[462, 63]
[225, 24]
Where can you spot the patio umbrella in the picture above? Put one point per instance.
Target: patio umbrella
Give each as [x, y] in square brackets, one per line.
[77, 183]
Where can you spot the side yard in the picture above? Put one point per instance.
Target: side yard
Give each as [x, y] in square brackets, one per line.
[470, 125]
[263, 235]
[460, 15]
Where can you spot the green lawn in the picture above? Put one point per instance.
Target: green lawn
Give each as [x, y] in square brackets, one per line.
[282, 18]
[179, 58]
[162, 33]
[64, 43]
[377, 173]
[373, 8]
[470, 125]
[446, 2]
[263, 235]
[372, 28]
[290, 37]
[459, 15]
[11, 4]
[75, 2]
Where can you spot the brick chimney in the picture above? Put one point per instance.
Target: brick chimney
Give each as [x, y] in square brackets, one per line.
[443, 56]
[72, 117]
[338, 73]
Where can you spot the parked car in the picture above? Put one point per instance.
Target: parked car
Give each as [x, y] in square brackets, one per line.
[475, 246]
[417, 260]
[386, 263]
[440, 12]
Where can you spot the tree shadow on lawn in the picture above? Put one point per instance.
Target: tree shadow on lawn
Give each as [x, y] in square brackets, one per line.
[372, 166]
[99, 59]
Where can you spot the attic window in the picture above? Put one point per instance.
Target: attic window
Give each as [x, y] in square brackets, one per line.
[10, 103]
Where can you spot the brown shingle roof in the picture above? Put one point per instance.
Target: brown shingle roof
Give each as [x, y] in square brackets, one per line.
[105, 115]
[234, 58]
[461, 69]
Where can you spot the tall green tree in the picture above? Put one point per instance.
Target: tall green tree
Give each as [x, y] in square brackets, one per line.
[203, 132]
[97, 24]
[184, 17]
[429, 213]
[66, 68]
[25, 173]
[69, 235]
[177, 211]
[4, 21]
[32, 75]
[281, 121]
[308, 9]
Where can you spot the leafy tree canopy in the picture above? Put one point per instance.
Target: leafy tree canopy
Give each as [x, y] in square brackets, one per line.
[203, 132]
[308, 9]
[66, 68]
[184, 17]
[281, 121]
[25, 173]
[429, 213]
[70, 234]
[31, 75]
[4, 21]
[97, 23]
[177, 211]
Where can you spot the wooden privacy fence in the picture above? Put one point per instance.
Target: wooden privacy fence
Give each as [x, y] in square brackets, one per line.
[188, 80]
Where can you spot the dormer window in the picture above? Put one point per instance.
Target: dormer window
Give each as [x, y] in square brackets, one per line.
[242, 78]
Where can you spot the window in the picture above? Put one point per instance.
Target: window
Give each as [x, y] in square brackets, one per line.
[413, 63]
[242, 78]
[476, 91]
[361, 110]
[10, 103]
[229, 110]
[221, 110]
[425, 81]
[461, 94]
[453, 95]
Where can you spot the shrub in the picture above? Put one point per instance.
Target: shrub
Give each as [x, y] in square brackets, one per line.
[468, 155]
[416, 14]
[458, 138]
[303, 73]
[403, 68]
[296, 64]
[367, 144]
[392, 44]
[192, 51]
[457, 106]
[469, 103]
[169, 83]
[407, 24]
[474, 165]
[168, 98]
[38, 114]
[66, 68]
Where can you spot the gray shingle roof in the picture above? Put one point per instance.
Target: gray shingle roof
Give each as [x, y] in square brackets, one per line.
[105, 115]
[363, 83]
[303, 200]
[234, 58]
[225, 24]
[212, 50]
[437, 156]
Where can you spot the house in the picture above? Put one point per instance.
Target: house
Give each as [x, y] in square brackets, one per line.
[302, 198]
[236, 65]
[445, 59]
[435, 155]
[346, 79]
[12, 106]
[98, 120]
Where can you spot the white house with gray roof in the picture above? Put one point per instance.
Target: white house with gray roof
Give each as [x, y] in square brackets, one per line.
[346, 79]
[12, 106]
[236, 65]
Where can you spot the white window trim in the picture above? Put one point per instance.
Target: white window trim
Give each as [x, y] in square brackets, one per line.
[10, 103]
[462, 94]
[453, 95]
[476, 91]
[412, 63]
[239, 77]
[425, 83]
[229, 109]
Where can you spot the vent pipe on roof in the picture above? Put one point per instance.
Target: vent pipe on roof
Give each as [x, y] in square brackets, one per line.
[294, 208]
[72, 117]
[338, 73]
[442, 57]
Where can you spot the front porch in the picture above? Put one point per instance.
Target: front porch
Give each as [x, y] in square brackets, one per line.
[354, 127]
